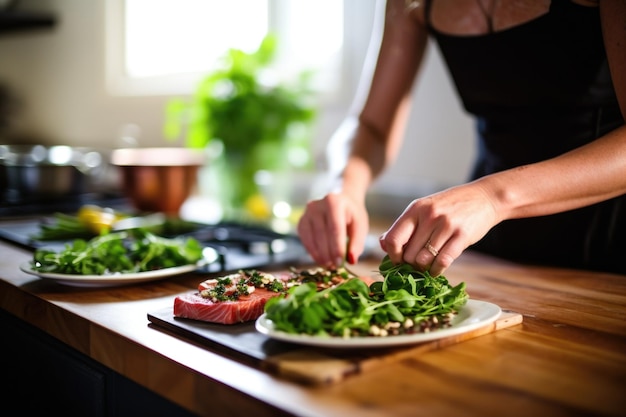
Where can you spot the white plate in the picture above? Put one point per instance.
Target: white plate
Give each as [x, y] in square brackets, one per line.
[473, 315]
[113, 279]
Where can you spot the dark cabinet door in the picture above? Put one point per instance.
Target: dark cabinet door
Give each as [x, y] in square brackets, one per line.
[43, 376]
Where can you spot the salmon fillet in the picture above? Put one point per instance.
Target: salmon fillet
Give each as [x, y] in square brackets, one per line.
[248, 308]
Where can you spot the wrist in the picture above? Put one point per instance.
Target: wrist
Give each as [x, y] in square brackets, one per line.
[502, 197]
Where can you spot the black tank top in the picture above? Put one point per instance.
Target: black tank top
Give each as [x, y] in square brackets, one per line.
[538, 90]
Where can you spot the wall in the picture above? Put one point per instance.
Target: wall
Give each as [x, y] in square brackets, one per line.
[59, 74]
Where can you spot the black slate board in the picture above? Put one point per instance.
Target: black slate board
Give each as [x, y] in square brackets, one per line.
[240, 338]
[309, 365]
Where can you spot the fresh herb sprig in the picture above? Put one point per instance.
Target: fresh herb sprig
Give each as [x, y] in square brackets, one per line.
[119, 252]
[63, 226]
[353, 309]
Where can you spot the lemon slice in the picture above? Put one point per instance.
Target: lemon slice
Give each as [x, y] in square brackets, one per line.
[97, 219]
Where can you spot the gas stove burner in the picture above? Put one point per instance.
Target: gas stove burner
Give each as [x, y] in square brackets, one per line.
[244, 246]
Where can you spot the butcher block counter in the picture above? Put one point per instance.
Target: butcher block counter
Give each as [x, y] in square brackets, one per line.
[565, 356]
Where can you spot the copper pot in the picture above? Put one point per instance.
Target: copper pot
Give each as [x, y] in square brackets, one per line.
[158, 179]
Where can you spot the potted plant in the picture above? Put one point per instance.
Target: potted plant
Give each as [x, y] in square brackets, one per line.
[249, 118]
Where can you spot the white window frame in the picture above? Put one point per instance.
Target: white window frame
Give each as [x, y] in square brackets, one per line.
[120, 84]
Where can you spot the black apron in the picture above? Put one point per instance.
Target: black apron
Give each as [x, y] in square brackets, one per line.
[539, 90]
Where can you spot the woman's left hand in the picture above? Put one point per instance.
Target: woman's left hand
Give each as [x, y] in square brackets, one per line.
[434, 230]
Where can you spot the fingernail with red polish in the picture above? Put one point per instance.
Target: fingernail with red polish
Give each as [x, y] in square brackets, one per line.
[350, 258]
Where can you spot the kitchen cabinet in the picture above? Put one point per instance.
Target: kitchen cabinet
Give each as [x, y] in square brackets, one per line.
[43, 376]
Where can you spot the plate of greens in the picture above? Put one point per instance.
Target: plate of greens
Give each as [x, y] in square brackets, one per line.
[117, 258]
[406, 306]
[111, 279]
[473, 315]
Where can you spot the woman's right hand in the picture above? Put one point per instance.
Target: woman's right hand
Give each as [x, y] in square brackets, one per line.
[334, 228]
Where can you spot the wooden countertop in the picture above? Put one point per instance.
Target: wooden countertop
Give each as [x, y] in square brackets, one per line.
[568, 357]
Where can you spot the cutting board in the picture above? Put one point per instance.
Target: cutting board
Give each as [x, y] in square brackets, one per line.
[308, 365]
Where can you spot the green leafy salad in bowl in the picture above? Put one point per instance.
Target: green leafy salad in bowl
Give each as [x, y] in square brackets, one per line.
[406, 301]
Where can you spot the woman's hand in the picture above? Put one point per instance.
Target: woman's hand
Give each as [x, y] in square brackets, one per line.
[433, 231]
[328, 224]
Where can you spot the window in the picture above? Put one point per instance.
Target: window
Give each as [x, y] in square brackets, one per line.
[166, 46]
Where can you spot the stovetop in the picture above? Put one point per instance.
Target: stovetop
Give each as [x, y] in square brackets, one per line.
[25, 206]
[235, 245]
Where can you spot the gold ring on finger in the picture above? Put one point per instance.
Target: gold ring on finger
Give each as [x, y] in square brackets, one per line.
[430, 248]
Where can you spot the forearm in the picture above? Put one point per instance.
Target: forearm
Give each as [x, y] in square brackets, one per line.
[366, 161]
[370, 152]
[365, 145]
[355, 163]
[587, 175]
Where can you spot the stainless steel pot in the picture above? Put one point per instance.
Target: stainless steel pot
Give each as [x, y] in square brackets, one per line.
[38, 171]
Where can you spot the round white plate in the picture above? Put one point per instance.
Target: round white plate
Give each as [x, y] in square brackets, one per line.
[473, 315]
[113, 279]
